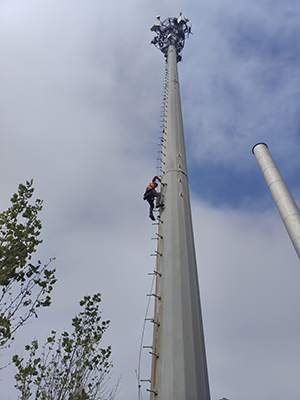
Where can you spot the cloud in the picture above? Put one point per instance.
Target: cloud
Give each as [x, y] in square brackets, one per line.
[248, 276]
[80, 113]
[246, 67]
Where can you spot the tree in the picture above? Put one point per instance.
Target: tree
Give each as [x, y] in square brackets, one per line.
[73, 367]
[24, 286]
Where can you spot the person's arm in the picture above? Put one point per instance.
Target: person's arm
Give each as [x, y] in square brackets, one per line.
[156, 178]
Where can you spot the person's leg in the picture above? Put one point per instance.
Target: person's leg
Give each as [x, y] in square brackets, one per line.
[151, 203]
[158, 198]
[159, 201]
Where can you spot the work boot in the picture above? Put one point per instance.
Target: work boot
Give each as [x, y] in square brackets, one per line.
[152, 217]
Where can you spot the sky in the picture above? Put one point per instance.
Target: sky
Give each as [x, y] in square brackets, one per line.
[80, 105]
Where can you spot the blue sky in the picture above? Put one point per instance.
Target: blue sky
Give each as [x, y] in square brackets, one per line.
[81, 94]
[246, 92]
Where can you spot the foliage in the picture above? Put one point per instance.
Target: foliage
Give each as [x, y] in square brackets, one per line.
[74, 367]
[24, 286]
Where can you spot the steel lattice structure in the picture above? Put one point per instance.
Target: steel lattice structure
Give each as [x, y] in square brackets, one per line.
[171, 30]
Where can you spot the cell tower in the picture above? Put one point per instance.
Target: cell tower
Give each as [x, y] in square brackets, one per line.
[179, 368]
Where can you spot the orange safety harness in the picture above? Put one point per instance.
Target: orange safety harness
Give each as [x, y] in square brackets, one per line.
[152, 185]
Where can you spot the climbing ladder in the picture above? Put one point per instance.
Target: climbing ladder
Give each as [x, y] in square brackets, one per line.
[156, 274]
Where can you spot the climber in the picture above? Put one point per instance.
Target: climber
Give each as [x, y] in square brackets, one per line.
[150, 194]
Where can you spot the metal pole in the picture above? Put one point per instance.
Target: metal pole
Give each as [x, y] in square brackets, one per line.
[284, 201]
[179, 368]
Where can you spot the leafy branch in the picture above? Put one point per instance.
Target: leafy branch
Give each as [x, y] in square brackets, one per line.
[73, 367]
[24, 286]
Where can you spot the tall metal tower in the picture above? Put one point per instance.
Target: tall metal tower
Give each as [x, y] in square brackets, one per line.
[179, 368]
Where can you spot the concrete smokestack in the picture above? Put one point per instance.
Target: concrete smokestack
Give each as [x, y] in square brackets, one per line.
[284, 201]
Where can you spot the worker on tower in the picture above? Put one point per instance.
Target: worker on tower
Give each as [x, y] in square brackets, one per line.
[150, 194]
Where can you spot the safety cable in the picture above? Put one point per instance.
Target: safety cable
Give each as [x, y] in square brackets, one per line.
[142, 340]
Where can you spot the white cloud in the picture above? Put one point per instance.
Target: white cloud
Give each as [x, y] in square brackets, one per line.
[249, 275]
[81, 96]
